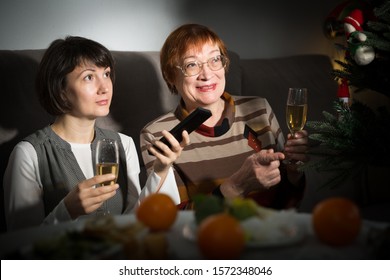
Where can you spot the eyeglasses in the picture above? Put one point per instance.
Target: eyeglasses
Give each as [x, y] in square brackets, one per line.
[195, 67]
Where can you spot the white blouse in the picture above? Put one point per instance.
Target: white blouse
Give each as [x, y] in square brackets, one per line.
[23, 189]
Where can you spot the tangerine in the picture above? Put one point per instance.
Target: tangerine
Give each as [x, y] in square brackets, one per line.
[336, 221]
[220, 236]
[157, 211]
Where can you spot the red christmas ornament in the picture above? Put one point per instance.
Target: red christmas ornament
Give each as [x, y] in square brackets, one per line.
[343, 91]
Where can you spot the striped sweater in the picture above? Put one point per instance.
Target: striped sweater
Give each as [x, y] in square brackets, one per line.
[215, 153]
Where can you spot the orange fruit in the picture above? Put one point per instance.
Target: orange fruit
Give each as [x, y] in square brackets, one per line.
[220, 236]
[157, 211]
[336, 221]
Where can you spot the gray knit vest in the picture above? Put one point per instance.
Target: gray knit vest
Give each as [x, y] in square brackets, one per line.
[60, 172]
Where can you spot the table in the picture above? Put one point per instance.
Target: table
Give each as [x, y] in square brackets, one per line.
[182, 248]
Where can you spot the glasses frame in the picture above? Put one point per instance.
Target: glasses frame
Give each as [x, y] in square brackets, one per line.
[200, 65]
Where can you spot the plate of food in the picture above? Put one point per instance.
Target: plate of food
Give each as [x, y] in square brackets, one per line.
[263, 227]
[107, 237]
[278, 229]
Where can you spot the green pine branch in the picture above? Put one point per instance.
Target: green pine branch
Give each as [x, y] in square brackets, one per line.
[349, 140]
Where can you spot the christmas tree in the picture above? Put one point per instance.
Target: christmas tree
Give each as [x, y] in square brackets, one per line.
[357, 135]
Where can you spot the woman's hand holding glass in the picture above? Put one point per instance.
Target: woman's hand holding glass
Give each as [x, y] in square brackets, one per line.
[85, 198]
[297, 146]
[92, 194]
[295, 150]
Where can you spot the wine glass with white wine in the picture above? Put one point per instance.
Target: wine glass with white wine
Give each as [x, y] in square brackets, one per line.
[296, 110]
[107, 161]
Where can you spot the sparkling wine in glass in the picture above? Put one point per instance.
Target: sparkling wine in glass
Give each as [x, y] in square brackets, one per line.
[296, 109]
[107, 161]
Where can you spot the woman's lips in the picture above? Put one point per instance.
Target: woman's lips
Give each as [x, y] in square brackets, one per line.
[207, 87]
[102, 102]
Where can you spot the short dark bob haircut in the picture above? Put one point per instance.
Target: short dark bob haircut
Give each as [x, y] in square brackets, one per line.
[60, 59]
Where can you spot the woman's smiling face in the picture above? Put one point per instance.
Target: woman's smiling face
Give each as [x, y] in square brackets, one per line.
[205, 88]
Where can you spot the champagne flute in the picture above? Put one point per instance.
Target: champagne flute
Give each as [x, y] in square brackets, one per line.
[296, 110]
[107, 161]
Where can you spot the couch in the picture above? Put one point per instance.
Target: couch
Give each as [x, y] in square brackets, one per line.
[140, 93]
